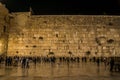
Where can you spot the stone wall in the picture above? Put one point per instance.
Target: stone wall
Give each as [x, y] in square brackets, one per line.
[64, 35]
[4, 21]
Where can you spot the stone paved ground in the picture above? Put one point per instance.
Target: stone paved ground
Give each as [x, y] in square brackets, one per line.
[58, 71]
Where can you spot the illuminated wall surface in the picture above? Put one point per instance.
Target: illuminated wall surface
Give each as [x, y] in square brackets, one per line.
[63, 35]
[81, 35]
[3, 29]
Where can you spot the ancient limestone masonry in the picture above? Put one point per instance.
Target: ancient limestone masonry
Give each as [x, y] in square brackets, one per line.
[3, 29]
[62, 35]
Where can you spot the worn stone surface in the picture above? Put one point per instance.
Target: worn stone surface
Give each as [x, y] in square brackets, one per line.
[62, 71]
[24, 34]
[80, 35]
[3, 29]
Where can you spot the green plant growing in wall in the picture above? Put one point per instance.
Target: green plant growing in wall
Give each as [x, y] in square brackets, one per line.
[70, 53]
[41, 38]
[110, 41]
[88, 53]
[51, 53]
[97, 41]
[100, 40]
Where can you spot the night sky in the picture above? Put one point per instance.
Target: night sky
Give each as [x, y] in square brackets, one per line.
[43, 7]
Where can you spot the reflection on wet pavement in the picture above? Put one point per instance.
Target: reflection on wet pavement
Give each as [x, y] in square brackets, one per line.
[58, 71]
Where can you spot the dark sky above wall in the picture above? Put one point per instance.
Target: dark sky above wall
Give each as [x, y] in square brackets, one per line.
[65, 6]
